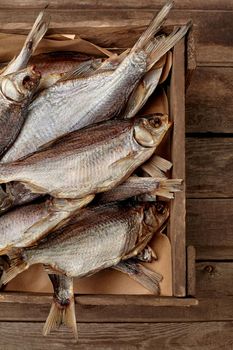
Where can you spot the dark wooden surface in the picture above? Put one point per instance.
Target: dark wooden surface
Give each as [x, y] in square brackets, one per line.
[209, 160]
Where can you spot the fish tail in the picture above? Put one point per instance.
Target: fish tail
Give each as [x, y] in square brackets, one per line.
[34, 37]
[168, 187]
[37, 32]
[17, 265]
[61, 314]
[163, 45]
[157, 167]
[153, 27]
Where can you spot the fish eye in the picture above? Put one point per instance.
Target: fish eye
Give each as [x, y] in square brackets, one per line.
[160, 208]
[27, 82]
[155, 122]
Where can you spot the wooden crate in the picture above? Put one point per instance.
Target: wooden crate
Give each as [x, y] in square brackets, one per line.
[183, 260]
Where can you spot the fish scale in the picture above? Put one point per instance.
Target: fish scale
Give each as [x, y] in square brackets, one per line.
[82, 235]
[98, 98]
[74, 156]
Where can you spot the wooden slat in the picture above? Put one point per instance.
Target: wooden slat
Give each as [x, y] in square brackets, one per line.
[124, 26]
[191, 271]
[209, 167]
[177, 217]
[103, 4]
[100, 300]
[214, 309]
[209, 102]
[209, 227]
[94, 336]
[215, 253]
[214, 279]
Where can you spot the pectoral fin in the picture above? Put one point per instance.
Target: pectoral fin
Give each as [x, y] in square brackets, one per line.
[147, 278]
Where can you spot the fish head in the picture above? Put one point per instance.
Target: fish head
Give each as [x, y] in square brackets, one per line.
[20, 85]
[156, 214]
[149, 130]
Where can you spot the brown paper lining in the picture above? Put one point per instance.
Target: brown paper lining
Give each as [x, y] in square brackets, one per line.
[108, 281]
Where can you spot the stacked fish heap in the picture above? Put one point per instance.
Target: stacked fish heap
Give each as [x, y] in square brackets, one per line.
[74, 139]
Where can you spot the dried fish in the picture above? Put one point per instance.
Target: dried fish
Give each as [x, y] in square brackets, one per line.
[63, 307]
[36, 34]
[136, 186]
[27, 224]
[57, 61]
[72, 104]
[62, 310]
[95, 239]
[16, 91]
[90, 159]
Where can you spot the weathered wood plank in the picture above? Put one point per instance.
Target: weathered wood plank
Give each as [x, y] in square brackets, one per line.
[209, 227]
[214, 279]
[209, 167]
[191, 271]
[209, 101]
[124, 26]
[177, 218]
[214, 309]
[214, 253]
[162, 336]
[103, 4]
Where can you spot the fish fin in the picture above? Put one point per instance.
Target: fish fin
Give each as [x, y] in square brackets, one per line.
[147, 278]
[166, 68]
[142, 92]
[157, 166]
[34, 37]
[163, 46]
[6, 201]
[81, 70]
[35, 188]
[17, 265]
[153, 27]
[61, 314]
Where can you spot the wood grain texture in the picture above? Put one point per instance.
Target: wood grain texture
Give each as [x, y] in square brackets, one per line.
[118, 4]
[100, 300]
[209, 226]
[214, 309]
[209, 102]
[214, 253]
[177, 208]
[214, 279]
[108, 27]
[209, 167]
[191, 271]
[96, 336]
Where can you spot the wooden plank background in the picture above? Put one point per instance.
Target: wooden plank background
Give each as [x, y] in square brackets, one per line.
[209, 160]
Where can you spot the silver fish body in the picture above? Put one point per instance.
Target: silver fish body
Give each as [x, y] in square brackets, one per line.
[97, 238]
[91, 160]
[27, 224]
[73, 104]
